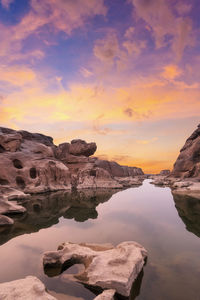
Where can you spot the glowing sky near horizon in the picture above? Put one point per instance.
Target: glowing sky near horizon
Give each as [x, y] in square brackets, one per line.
[122, 73]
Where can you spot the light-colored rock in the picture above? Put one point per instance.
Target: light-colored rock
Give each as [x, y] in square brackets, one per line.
[130, 181]
[5, 221]
[10, 142]
[106, 295]
[95, 178]
[29, 288]
[10, 207]
[107, 267]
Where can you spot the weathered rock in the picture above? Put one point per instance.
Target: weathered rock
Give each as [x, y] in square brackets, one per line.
[10, 142]
[29, 288]
[31, 163]
[95, 178]
[80, 147]
[5, 221]
[117, 170]
[164, 172]
[33, 168]
[106, 266]
[188, 162]
[106, 295]
[10, 207]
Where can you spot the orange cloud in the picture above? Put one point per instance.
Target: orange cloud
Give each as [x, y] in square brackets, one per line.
[171, 72]
[17, 75]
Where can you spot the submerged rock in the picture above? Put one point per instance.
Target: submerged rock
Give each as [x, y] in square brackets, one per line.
[106, 266]
[29, 288]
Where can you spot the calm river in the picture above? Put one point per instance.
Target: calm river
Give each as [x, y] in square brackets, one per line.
[169, 228]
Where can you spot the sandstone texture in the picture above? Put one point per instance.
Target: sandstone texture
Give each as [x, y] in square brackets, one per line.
[187, 164]
[29, 288]
[106, 266]
[31, 163]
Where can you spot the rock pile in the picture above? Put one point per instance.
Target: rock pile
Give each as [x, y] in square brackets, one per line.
[105, 266]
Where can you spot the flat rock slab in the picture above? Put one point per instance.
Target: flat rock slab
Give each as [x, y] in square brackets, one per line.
[5, 221]
[106, 266]
[29, 288]
[8, 207]
[106, 295]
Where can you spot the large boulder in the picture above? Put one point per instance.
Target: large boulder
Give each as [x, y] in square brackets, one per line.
[188, 162]
[80, 147]
[29, 288]
[106, 266]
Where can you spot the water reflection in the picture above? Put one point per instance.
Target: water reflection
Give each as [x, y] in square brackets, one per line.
[44, 210]
[189, 211]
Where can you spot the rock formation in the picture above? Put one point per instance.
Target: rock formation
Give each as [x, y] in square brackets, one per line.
[31, 163]
[106, 266]
[187, 164]
[29, 288]
[164, 172]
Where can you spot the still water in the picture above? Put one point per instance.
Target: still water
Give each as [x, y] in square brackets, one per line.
[169, 228]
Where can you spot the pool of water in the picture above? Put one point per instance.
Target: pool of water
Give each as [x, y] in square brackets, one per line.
[168, 227]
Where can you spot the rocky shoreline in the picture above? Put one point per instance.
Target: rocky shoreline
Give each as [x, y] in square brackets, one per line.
[32, 164]
[185, 176]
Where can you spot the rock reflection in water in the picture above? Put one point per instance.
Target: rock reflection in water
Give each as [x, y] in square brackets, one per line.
[44, 210]
[189, 211]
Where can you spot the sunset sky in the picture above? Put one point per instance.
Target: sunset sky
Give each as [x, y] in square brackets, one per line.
[122, 73]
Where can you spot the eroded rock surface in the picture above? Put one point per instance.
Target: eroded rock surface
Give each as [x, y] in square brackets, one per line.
[29, 288]
[187, 164]
[106, 266]
[31, 163]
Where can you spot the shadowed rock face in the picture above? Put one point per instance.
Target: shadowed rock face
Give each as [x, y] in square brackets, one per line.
[189, 211]
[188, 162]
[116, 170]
[44, 210]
